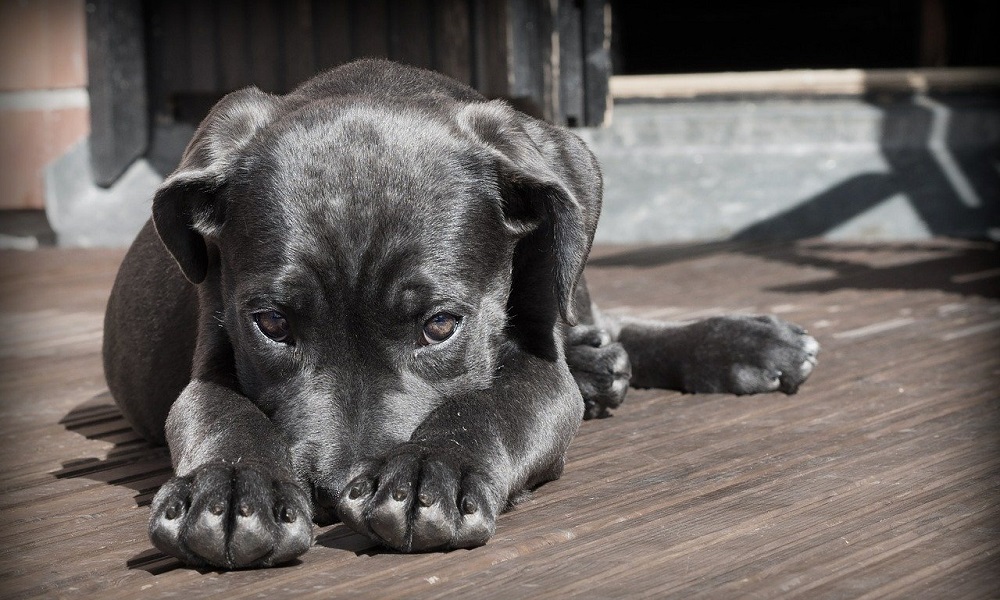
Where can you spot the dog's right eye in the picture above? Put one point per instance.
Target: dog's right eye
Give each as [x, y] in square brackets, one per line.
[274, 325]
[439, 328]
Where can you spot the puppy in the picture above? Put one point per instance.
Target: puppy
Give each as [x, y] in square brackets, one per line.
[363, 301]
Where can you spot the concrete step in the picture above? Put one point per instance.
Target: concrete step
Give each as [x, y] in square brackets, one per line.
[895, 168]
[86, 215]
[842, 168]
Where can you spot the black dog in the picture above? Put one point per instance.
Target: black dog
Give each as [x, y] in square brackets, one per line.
[379, 316]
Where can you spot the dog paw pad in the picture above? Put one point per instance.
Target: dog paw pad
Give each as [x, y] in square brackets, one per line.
[230, 518]
[602, 369]
[419, 499]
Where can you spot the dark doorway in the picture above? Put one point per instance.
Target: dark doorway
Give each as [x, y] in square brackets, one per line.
[735, 35]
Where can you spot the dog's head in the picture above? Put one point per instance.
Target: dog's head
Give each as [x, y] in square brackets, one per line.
[365, 259]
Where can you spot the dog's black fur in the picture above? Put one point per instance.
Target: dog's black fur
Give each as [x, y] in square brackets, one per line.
[363, 300]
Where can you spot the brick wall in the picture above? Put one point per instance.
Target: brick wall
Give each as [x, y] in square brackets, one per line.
[43, 95]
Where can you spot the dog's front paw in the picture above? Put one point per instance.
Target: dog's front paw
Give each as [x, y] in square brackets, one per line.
[230, 517]
[748, 355]
[420, 498]
[601, 369]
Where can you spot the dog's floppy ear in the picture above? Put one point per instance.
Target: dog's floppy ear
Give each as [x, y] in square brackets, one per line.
[550, 186]
[188, 205]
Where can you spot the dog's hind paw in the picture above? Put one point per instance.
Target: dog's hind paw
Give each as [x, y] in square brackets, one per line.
[601, 369]
[231, 518]
[748, 355]
[419, 499]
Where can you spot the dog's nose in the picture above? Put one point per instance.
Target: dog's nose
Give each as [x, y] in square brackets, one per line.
[324, 505]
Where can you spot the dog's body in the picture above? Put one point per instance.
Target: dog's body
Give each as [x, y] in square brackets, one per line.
[377, 318]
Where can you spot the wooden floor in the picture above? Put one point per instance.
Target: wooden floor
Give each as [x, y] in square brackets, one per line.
[879, 479]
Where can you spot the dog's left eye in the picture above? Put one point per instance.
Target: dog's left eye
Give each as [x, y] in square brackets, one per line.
[439, 328]
[274, 325]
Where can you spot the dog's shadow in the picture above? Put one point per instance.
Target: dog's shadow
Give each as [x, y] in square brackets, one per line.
[134, 463]
[131, 462]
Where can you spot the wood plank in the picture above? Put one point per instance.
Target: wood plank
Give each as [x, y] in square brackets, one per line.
[234, 45]
[453, 48]
[332, 32]
[819, 82]
[530, 59]
[266, 49]
[167, 52]
[490, 26]
[117, 85]
[878, 479]
[572, 86]
[597, 60]
[410, 26]
[369, 29]
[298, 46]
[203, 29]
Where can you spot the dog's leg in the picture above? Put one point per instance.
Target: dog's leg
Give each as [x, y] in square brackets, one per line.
[462, 466]
[150, 329]
[600, 366]
[730, 354]
[234, 501]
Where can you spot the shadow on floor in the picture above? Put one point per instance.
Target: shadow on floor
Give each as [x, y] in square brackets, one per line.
[941, 159]
[137, 465]
[966, 268]
[941, 155]
[341, 537]
[132, 463]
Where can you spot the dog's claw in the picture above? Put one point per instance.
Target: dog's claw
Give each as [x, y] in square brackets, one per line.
[601, 369]
[407, 511]
[172, 511]
[469, 506]
[748, 355]
[260, 529]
